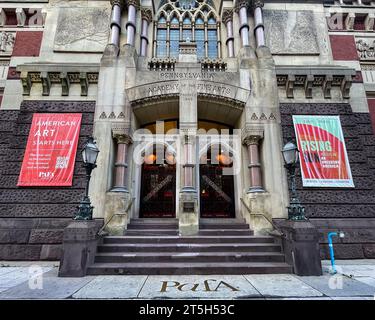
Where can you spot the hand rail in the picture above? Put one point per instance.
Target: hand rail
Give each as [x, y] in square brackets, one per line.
[116, 214]
[262, 215]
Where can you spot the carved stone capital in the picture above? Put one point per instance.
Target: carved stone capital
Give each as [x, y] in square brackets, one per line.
[146, 14]
[252, 139]
[122, 138]
[121, 132]
[252, 135]
[258, 4]
[242, 3]
[120, 3]
[135, 3]
[227, 15]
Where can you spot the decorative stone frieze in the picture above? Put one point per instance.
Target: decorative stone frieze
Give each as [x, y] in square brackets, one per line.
[307, 79]
[213, 64]
[162, 64]
[366, 48]
[7, 40]
[65, 76]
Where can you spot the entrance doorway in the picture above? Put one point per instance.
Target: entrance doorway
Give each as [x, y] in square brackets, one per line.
[158, 188]
[216, 188]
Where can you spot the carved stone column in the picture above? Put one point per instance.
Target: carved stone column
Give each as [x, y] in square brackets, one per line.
[228, 20]
[146, 19]
[241, 9]
[133, 5]
[259, 26]
[117, 6]
[252, 143]
[123, 140]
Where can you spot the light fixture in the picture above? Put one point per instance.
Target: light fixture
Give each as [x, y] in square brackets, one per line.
[89, 156]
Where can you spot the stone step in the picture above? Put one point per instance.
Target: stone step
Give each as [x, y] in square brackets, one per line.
[190, 247]
[151, 232]
[225, 232]
[196, 268]
[190, 257]
[144, 226]
[221, 220]
[192, 239]
[155, 220]
[205, 226]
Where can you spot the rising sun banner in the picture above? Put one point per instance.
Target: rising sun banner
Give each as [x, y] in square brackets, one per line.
[323, 157]
[51, 150]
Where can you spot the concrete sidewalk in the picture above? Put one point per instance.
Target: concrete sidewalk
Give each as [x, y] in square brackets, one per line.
[38, 280]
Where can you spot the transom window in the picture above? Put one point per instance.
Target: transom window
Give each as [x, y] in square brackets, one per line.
[187, 21]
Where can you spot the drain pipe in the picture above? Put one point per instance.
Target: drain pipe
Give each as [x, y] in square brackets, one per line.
[331, 251]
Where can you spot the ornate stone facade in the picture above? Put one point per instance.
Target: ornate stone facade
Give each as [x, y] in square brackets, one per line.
[244, 67]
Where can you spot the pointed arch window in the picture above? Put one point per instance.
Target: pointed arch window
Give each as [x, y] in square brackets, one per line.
[189, 20]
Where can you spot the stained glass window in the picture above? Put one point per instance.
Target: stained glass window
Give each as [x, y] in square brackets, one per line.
[212, 43]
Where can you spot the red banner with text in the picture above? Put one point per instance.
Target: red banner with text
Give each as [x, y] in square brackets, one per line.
[51, 150]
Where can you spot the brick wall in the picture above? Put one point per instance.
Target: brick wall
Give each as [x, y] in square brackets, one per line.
[343, 47]
[371, 106]
[351, 210]
[32, 219]
[27, 44]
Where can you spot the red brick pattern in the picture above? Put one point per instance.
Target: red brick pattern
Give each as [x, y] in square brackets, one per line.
[371, 106]
[343, 48]
[27, 43]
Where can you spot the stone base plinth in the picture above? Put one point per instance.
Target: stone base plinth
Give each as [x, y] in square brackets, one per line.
[301, 247]
[257, 203]
[117, 216]
[79, 247]
[188, 220]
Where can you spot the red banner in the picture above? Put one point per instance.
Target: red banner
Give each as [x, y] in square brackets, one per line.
[51, 150]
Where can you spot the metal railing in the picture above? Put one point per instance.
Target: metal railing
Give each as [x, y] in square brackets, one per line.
[264, 216]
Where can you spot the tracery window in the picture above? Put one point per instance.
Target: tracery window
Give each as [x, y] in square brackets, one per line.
[189, 21]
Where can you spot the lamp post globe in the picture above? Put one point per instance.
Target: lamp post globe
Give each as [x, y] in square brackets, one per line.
[89, 156]
[290, 152]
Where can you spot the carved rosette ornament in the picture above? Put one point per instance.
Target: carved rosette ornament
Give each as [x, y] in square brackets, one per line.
[227, 16]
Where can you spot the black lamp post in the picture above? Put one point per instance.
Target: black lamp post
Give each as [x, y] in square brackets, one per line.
[89, 155]
[290, 153]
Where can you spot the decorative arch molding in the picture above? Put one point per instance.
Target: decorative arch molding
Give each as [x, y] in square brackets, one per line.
[221, 92]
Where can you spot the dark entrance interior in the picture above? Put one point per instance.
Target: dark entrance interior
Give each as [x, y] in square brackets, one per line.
[158, 187]
[216, 189]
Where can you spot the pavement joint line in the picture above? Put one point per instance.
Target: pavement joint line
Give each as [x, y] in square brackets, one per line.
[144, 282]
[251, 284]
[71, 296]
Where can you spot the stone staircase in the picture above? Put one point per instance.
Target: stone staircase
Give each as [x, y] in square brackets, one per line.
[223, 246]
